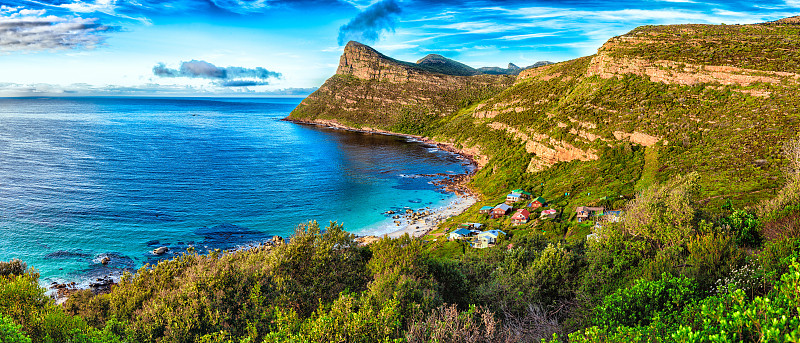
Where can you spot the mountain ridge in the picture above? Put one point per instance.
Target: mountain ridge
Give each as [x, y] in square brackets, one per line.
[707, 98]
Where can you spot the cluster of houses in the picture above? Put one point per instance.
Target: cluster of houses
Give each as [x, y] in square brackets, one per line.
[522, 215]
[482, 239]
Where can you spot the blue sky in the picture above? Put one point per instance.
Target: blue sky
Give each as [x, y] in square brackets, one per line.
[267, 47]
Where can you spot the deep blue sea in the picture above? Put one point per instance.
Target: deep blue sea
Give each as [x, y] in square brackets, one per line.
[84, 178]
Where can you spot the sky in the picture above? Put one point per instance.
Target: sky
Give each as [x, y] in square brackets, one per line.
[290, 47]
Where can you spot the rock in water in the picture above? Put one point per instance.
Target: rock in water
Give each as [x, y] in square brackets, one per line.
[160, 250]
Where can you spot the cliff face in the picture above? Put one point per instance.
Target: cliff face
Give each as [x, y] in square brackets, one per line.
[366, 63]
[715, 99]
[371, 89]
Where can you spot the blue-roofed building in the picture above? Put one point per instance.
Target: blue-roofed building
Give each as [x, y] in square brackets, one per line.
[459, 234]
[500, 210]
[485, 210]
[513, 197]
[487, 238]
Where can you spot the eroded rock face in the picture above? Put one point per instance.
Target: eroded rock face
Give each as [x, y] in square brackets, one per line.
[365, 63]
[548, 151]
[636, 137]
[606, 66]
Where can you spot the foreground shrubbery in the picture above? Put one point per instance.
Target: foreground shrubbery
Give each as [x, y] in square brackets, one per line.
[323, 288]
[666, 272]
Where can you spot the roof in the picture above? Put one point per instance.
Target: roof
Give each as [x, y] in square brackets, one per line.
[503, 207]
[520, 191]
[540, 200]
[514, 195]
[492, 233]
[522, 212]
[486, 208]
[552, 210]
[463, 232]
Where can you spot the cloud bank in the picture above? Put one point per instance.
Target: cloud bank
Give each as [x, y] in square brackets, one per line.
[23, 29]
[223, 76]
[8, 89]
[368, 25]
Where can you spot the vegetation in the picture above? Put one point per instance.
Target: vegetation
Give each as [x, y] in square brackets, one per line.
[707, 250]
[640, 281]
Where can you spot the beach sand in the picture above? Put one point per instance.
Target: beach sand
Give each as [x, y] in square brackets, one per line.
[426, 224]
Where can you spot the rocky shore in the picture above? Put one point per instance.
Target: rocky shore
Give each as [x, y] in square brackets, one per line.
[419, 223]
[472, 155]
[415, 223]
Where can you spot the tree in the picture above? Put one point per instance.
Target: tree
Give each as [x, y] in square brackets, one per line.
[664, 215]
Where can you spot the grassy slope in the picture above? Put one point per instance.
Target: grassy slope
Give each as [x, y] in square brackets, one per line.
[732, 138]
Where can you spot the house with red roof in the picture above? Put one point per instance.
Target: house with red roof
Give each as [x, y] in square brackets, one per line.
[520, 217]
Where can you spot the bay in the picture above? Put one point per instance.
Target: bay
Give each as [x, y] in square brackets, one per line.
[85, 178]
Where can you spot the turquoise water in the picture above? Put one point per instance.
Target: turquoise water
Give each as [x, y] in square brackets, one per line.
[84, 178]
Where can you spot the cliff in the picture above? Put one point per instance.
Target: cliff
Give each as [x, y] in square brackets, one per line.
[370, 89]
[656, 102]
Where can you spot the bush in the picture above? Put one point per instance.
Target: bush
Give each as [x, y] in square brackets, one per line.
[712, 256]
[10, 332]
[732, 318]
[777, 255]
[664, 215]
[24, 302]
[744, 227]
[646, 301]
[13, 267]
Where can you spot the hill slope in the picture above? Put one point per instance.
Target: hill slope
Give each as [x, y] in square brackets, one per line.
[653, 103]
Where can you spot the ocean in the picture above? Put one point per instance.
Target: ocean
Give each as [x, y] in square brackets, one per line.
[86, 178]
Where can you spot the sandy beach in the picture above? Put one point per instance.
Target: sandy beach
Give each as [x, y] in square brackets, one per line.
[426, 224]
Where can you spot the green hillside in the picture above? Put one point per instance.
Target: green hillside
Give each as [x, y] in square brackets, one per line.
[691, 129]
[719, 100]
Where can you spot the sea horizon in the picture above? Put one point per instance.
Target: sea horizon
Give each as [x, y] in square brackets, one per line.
[84, 178]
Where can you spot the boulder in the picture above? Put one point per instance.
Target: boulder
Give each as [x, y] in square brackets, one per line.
[160, 250]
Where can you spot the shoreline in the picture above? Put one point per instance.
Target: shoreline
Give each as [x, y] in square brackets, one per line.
[415, 224]
[456, 184]
[474, 159]
[430, 222]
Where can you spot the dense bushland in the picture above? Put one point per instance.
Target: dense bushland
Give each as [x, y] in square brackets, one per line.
[666, 272]
[708, 249]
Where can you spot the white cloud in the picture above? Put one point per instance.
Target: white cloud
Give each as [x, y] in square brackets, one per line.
[147, 89]
[108, 7]
[104, 6]
[528, 36]
[31, 30]
[473, 27]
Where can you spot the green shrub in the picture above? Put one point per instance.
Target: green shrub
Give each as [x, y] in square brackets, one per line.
[711, 257]
[734, 318]
[13, 267]
[646, 301]
[664, 215]
[10, 332]
[777, 255]
[744, 227]
[24, 302]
